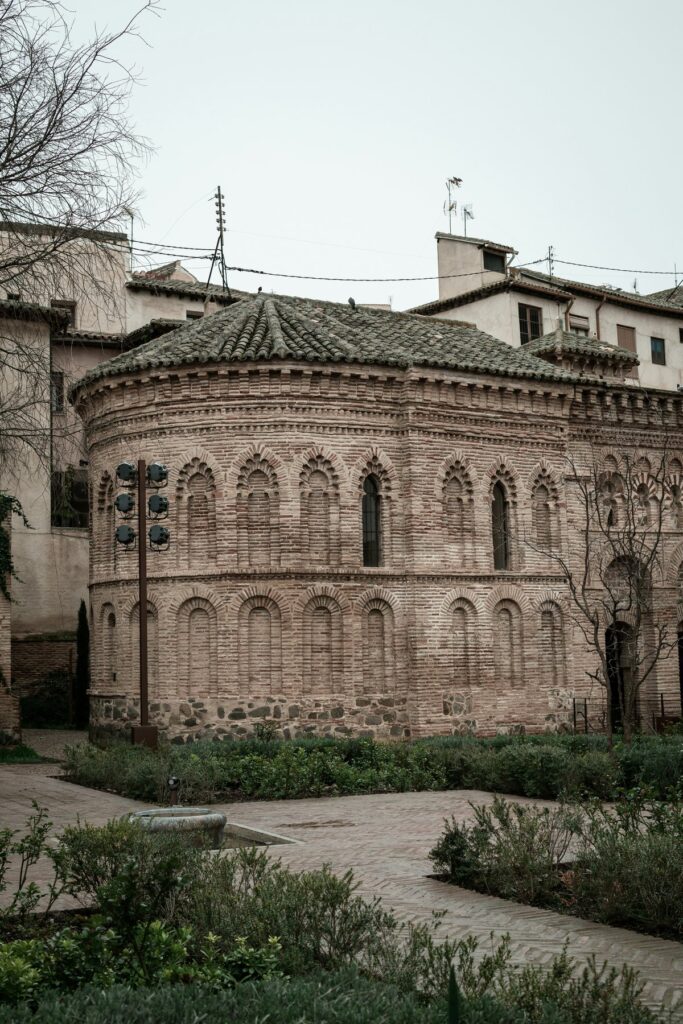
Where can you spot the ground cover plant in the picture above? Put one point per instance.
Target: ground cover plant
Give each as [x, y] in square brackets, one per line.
[621, 864]
[171, 932]
[545, 766]
[18, 753]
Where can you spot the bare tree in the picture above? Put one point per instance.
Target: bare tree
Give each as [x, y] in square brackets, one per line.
[620, 507]
[68, 160]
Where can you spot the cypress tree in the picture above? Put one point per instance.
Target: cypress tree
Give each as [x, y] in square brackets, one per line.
[82, 681]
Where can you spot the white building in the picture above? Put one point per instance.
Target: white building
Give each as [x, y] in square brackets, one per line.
[477, 284]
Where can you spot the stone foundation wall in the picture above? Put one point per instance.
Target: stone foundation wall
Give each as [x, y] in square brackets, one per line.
[193, 718]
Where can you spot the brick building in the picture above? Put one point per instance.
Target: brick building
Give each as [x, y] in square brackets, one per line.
[357, 502]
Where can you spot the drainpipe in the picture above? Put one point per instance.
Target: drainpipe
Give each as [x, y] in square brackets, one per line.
[566, 313]
[602, 302]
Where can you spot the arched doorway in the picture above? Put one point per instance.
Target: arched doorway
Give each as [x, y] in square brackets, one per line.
[618, 638]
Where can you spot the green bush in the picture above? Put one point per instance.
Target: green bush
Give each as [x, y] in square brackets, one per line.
[546, 766]
[625, 861]
[528, 996]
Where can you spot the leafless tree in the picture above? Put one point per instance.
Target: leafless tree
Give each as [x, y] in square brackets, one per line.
[620, 504]
[68, 161]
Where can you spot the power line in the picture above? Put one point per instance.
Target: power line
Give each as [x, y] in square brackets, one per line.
[371, 280]
[614, 270]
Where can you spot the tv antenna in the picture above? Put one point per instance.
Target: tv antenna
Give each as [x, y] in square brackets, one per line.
[219, 250]
[450, 206]
[467, 214]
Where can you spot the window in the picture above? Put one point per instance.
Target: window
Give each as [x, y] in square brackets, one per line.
[14, 296]
[626, 337]
[680, 335]
[66, 306]
[578, 324]
[494, 261]
[371, 522]
[69, 493]
[530, 322]
[57, 391]
[193, 314]
[658, 351]
[500, 523]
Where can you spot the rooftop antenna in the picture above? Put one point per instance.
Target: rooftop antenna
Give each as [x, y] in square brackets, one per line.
[219, 250]
[551, 262]
[450, 206]
[466, 215]
[130, 213]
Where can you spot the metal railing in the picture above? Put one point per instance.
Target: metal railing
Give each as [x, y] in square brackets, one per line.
[589, 714]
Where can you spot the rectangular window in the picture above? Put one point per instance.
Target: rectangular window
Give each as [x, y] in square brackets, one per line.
[193, 314]
[57, 391]
[626, 337]
[579, 324]
[494, 261]
[658, 349]
[66, 306]
[14, 296]
[680, 335]
[69, 493]
[530, 322]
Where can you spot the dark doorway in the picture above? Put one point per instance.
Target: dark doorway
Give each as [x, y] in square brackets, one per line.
[617, 640]
[680, 661]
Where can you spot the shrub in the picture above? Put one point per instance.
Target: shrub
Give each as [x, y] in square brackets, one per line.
[626, 861]
[528, 996]
[548, 766]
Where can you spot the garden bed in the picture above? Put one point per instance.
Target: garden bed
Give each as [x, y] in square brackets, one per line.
[620, 864]
[547, 766]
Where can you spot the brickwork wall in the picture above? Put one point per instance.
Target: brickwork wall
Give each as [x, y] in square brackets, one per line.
[262, 601]
[34, 658]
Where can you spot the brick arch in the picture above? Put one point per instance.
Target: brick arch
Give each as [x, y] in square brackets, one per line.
[319, 511]
[462, 594]
[545, 526]
[259, 628]
[546, 597]
[374, 460]
[187, 591]
[256, 451]
[508, 592]
[456, 501]
[461, 615]
[507, 622]
[378, 594]
[109, 647]
[195, 513]
[456, 458]
[322, 634]
[544, 471]
[105, 553]
[257, 507]
[196, 630]
[132, 619]
[202, 457]
[322, 590]
[321, 451]
[673, 565]
[551, 641]
[378, 650]
[501, 470]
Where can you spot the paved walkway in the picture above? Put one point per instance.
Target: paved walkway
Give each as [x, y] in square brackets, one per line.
[385, 840]
[51, 742]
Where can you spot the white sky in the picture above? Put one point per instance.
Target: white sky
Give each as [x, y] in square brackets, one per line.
[332, 126]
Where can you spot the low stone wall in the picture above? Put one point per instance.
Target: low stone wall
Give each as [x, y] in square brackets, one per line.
[186, 719]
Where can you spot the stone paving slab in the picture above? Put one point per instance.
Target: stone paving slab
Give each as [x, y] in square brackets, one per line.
[385, 840]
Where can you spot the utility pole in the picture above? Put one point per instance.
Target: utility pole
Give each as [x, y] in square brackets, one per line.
[138, 476]
[219, 250]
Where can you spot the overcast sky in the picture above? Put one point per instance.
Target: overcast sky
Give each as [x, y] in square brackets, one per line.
[332, 126]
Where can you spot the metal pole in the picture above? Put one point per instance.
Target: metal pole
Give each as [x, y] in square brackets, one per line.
[142, 573]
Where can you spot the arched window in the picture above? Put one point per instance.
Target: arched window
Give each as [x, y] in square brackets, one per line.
[197, 656]
[500, 524]
[464, 646]
[322, 646]
[258, 529]
[378, 648]
[551, 644]
[109, 645]
[319, 492]
[372, 522]
[260, 647]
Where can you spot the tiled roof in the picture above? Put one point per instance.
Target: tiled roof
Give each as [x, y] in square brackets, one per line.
[12, 309]
[272, 327]
[153, 329]
[531, 282]
[616, 296]
[88, 337]
[188, 289]
[504, 285]
[669, 296]
[561, 341]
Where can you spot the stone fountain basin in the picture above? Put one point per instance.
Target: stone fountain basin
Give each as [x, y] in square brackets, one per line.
[197, 824]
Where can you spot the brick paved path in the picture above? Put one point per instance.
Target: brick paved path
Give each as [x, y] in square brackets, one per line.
[385, 839]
